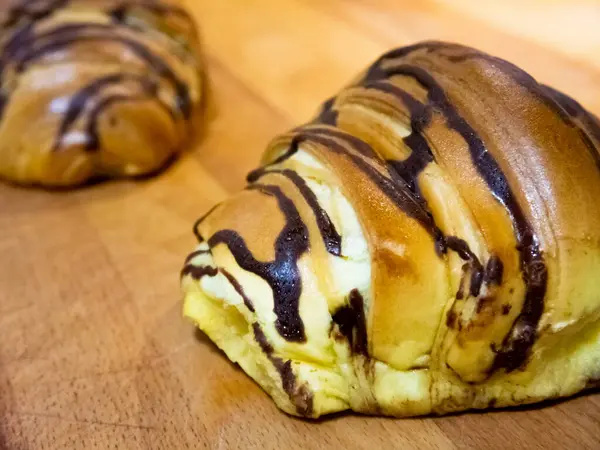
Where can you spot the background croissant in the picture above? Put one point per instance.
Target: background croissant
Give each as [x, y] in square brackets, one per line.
[94, 88]
[428, 244]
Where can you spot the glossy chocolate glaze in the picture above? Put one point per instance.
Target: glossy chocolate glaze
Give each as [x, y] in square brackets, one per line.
[282, 274]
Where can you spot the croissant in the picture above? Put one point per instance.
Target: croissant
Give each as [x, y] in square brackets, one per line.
[429, 243]
[95, 88]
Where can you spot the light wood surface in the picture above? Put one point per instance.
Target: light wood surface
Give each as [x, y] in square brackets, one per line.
[94, 353]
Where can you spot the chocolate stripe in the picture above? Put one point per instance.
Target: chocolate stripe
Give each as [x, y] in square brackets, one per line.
[330, 236]
[494, 271]
[80, 101]
[238, 288]
[328, 115]
[518, 342]
[282, 274]
[352, 324]
[120, 12]
[199, 222]
[566, 108]
[24, 46]
[183, 102]
[477, 271]
[92, 134]
[420, 117]
[198, 272]
[26, 10]
[377, 72]
[194, 254]
[395, 188]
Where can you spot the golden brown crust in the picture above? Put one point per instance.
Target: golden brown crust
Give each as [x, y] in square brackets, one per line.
[476, 189]
[95, 88]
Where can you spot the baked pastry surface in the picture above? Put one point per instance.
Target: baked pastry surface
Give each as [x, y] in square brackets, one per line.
[429, 243]
[95, 88]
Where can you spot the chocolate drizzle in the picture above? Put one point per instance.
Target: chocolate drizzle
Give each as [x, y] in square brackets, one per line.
[194, 254]
[328, 114]
[238, 288]
[282, 274]
[494, 271]
[570, 111]
[351, 323]
[198, 272]
[32, 10]
[420, 117]
[300, 396]
[391, 184]
[92, 129]
[475, 266]
[67, 35]
[198, 222]
[331, 238]
[120, 13]
[516, 346]
[394, 187]
[377, 71]
[403, 188]
[80, 101]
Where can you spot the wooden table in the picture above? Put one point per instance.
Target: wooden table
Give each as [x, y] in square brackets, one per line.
[94, 353]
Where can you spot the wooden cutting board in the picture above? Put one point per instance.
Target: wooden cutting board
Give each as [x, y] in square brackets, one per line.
[94, 353]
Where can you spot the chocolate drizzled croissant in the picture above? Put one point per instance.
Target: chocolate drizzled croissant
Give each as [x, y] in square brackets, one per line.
[428, 243]
[94, 88]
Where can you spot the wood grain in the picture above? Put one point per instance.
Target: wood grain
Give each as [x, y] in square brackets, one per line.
[94, 353]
